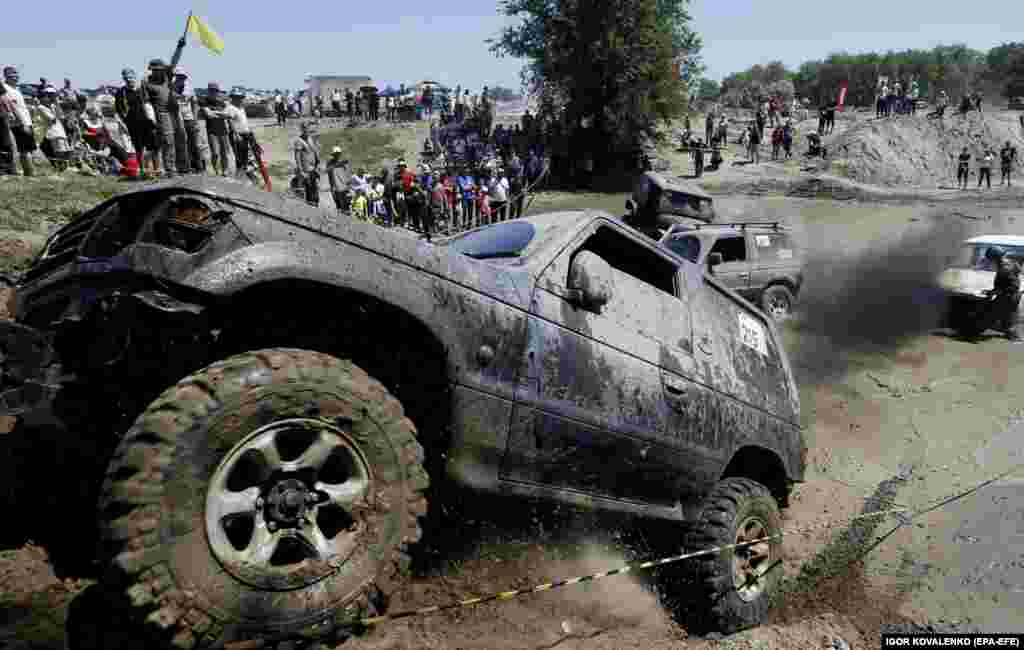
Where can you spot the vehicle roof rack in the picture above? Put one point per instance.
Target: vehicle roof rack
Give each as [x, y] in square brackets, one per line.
[742, 224]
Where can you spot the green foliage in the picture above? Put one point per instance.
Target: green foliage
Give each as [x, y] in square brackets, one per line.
[603, 69]
[708, 90]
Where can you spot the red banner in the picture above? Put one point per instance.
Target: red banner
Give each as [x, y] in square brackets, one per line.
[842, 95]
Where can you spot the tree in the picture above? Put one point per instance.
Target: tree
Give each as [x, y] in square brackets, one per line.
[603, 69]
[1015, 76]
[675, 19]
[708, 90]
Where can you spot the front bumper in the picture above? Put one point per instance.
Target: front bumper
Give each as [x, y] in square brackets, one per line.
[29, 373]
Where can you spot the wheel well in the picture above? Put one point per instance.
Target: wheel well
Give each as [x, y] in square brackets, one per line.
[387, 342]
[761, 465]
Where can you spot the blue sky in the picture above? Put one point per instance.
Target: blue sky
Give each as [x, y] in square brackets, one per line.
[272, 45]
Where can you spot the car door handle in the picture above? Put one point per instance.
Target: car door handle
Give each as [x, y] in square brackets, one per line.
[744, 275]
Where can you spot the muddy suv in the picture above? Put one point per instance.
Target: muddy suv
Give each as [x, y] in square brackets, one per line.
[759, 261]
[255, 392]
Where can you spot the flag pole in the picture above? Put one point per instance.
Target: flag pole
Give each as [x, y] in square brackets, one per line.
[181, 42]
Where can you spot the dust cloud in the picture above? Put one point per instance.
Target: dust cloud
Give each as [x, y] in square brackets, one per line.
[872, 299]
[615, 601]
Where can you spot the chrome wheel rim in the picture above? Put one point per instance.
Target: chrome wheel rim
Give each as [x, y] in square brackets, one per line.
[287, 505]
[750, 563]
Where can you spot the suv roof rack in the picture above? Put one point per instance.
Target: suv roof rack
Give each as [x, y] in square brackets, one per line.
[742, 224]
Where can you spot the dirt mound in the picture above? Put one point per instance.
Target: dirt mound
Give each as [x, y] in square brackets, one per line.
[914, 150]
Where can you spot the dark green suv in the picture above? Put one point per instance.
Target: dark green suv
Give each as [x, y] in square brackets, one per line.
[759, 261]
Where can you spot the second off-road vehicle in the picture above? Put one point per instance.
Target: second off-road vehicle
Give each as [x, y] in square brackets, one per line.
[760, 261]
[252, 396]
[659, 202]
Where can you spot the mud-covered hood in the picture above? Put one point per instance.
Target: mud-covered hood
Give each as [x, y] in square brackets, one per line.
[306, 227]
[967, 281]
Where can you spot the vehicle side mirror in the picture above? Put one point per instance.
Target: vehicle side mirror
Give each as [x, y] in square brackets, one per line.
[714, 259]
[590, 282]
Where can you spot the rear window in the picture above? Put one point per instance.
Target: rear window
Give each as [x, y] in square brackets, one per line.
[772, 247]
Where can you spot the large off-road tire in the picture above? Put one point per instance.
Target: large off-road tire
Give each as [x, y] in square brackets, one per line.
[275, 492]
[736, 510]
[777, 301]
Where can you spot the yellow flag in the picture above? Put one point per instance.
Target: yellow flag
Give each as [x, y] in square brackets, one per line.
[207, 36]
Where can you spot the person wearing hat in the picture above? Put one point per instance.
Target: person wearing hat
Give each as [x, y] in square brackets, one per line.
[55, 140]
[194, 125]
[129, 104]
[218, 129]
[19, 119]
[339, 176]
[243, 138]
[160, 93]
[307, 164]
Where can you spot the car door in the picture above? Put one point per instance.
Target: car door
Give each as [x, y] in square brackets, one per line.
[589, 413]
[775, 258]
[734, 271]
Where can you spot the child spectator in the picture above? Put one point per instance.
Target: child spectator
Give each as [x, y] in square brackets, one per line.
[359, 205]
[484, 206]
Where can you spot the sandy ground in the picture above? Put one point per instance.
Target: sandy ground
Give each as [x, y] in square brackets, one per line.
[930, 413]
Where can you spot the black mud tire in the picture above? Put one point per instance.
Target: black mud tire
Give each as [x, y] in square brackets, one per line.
[777, 302]
[154, 542]
[713, 604]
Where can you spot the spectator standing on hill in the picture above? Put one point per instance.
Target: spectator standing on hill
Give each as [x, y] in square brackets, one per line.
[307, 164]
[1007, 156]
[339, 177]
[787, 138]
[218, 129]
[776, 142]
[160, 92]
[709, 125]
[7, 149]
[498, 189]
[19, 119]
[985, 168]
[962, 168]
[754, 144]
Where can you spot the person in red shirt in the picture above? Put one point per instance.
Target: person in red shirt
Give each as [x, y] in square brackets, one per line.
[407, 175]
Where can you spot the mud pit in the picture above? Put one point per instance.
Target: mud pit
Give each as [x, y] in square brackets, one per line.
[922, 413]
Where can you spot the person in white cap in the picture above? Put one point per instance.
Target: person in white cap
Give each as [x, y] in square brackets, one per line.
[218, 130]
[339, 175]
[243, 137]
